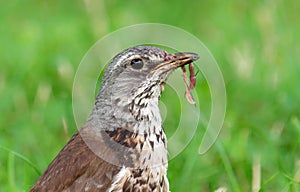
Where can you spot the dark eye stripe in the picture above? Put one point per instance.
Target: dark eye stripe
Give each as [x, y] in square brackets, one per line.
[137, 63]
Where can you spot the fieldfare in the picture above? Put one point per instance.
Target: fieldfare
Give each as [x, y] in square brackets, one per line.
[122, 146]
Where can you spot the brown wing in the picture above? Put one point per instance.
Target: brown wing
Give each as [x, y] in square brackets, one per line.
[77, 168]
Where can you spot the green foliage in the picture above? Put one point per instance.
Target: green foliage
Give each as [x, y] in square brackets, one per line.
[255, 44]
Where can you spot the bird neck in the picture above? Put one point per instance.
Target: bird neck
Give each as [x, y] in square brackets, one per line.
[139, 121]
[139, 113]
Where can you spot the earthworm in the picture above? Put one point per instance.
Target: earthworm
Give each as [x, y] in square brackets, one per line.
[192, 76]
[191, 85]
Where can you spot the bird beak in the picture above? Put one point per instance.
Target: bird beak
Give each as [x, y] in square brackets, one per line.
[175, 60]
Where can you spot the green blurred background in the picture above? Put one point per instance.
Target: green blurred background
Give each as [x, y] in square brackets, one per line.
[255, 43]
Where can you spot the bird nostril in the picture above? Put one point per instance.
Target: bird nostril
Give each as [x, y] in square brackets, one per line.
[169, 57]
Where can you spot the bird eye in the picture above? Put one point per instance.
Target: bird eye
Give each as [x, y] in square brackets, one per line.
[137, 63]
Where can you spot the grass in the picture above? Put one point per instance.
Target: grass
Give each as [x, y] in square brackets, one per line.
[257, 49]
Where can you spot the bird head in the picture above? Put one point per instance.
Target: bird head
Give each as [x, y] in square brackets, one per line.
[135, 79]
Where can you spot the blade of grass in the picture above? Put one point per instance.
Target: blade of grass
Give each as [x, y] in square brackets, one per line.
[228, 167]
[256, 174]
[22, 157]
[11, 172]
[290, 178]
[297, 176]
[270, 179]
[225, 160]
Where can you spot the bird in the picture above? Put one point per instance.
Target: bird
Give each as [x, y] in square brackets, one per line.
[122, 146]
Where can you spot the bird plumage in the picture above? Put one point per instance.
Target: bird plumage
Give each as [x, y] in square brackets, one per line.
[122, 147]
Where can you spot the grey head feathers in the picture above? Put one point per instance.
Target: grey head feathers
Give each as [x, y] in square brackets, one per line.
[128, 95]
